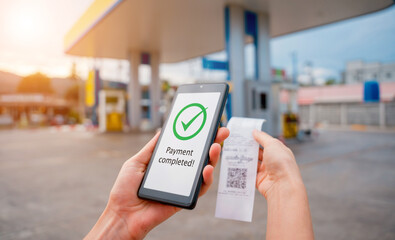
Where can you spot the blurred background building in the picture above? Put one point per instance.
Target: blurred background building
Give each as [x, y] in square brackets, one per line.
[36, 100]
[360, 71]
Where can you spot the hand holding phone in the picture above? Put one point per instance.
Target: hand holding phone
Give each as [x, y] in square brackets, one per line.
[132, 217]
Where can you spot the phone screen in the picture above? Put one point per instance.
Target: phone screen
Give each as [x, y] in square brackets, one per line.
[178, 155]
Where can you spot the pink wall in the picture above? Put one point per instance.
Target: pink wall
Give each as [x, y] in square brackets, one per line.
[338, 93]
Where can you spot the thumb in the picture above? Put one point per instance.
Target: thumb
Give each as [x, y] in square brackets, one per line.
[145, 153]
[261, 137]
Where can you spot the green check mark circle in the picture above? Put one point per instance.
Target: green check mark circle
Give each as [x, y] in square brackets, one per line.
[186, 126]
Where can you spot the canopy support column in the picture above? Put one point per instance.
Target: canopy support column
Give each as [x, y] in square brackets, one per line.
[236, 59]
[134, 92]
[264, 71]
[155, 90]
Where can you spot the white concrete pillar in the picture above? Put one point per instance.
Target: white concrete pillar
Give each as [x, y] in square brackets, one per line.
[155, 90]
[382, 114]
[102, 111]
[236, 59]
[312, 115]
[264, 69]
[134, 92]
[343, 114]
[293, 95]
[274, 125]
[273, 113]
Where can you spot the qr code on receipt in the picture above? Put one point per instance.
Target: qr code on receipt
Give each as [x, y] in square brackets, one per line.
[237, 178]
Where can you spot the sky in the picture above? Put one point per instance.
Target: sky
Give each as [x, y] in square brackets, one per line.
[32, 40]
[369, 38]
[31, 35]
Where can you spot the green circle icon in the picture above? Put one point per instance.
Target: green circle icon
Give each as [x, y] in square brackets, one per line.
[190, 122]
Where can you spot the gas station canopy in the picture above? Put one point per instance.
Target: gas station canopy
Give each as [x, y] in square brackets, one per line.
[166, 31]
[180, 30]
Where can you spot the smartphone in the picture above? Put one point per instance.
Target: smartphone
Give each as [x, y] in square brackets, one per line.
[174, 173]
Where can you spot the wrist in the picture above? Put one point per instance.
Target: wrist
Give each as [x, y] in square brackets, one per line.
[286, 188]
[288, 211]
[110, 226]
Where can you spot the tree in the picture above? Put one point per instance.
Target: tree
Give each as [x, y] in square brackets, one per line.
[72, 93]
[73, 72]
[35, 83]
[330, 81]
[76, 92]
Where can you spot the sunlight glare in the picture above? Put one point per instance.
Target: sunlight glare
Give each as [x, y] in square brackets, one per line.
[25, 25]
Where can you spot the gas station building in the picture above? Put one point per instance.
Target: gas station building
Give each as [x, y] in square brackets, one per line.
[168, 31]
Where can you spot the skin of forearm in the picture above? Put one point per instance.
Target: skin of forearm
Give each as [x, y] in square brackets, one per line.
[109, 226]
[288, 212]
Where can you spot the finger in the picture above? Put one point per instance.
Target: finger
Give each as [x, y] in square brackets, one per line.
[260, 154]
[259, 163]
[215, 151]
[207, 179]
[145, 153]
[222, 134]
[261, 137]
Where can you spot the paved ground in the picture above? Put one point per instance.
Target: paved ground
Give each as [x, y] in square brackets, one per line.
[55, 185]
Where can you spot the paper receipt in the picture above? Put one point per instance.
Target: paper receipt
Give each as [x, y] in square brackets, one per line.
[236, 189]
